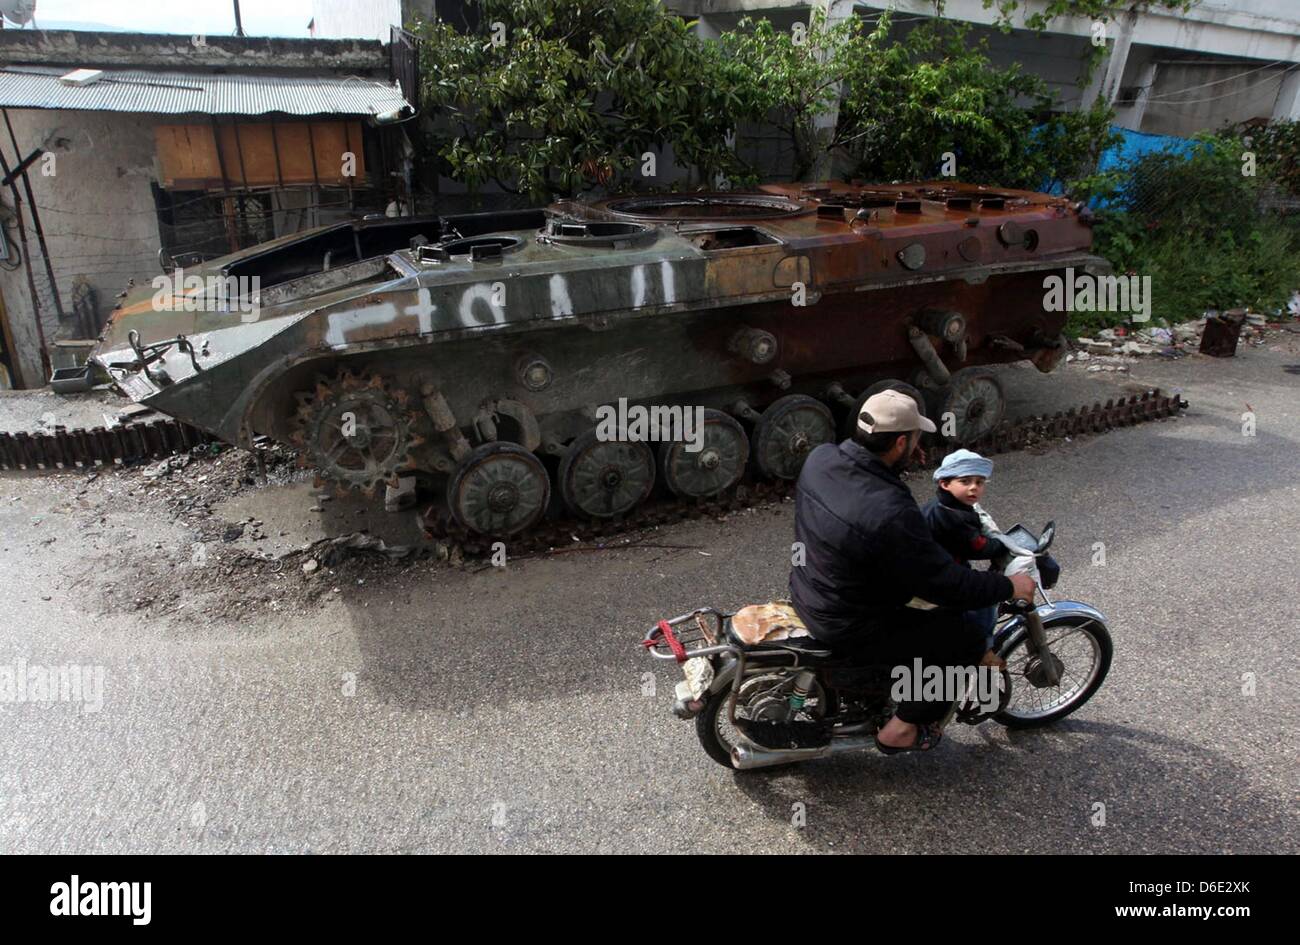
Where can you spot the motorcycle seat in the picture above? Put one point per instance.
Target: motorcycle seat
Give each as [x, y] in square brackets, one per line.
[772, 622]
[773, 627]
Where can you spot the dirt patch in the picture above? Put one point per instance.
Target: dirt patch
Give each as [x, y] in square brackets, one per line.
[224, 566]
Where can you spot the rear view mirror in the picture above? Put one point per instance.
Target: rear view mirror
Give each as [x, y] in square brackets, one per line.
[1045, 539]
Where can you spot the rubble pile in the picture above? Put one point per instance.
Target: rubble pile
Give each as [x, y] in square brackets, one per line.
[1113, 349]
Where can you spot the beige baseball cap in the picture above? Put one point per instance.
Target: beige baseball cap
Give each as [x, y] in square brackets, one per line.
[892, 411]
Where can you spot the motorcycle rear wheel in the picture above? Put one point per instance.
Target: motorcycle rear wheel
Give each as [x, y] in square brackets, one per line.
[713, 741]
[1083, 645]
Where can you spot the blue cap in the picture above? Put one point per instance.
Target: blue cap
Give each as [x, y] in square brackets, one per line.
[964, 463]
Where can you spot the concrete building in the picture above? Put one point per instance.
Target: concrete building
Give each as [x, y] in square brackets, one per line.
[1221, 63]
[163, 150]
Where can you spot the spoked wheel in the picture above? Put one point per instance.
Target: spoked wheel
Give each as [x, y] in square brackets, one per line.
[788, 431]
[715, 467]
[1082, 650]
[762, 697]
[357, 431]
[976, 401]
[605, 479]
[714, 729]
[499, 489]
[851, 421]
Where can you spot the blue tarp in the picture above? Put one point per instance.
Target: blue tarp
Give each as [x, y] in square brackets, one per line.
[1132, 145]
[1136, 144]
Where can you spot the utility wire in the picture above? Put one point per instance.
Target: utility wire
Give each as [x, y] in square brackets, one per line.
[1231, 78]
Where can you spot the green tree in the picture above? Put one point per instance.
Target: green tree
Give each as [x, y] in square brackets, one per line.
[791, 78]
[551, 96]
[1278, 150]
[936, 91]
[1193, 223]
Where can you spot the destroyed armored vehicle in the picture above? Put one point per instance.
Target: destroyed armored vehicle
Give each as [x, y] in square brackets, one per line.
[480, 352]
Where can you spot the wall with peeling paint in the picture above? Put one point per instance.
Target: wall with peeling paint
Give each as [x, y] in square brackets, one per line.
[97, 211]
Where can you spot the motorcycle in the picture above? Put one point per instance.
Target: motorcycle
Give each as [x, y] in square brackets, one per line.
[763, 692]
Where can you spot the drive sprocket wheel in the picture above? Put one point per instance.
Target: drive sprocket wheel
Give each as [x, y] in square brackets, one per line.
[357, 431]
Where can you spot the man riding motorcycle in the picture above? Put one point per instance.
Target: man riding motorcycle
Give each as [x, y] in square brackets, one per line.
[868, 553]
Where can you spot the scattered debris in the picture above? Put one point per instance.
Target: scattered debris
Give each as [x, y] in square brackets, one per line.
[165, 467]
[401, 497]
[1179, 340]
[330, 551]
[1222, 333]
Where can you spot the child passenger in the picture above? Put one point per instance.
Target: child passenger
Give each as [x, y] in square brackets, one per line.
[955, 517]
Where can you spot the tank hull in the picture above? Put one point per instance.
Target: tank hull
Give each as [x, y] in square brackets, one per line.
[523, 327]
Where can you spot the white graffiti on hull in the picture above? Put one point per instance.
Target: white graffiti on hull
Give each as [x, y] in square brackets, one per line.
[423, 309]
[342, 325]
[561, 304]
[638, 286]
[480, 292]
[643, 293]
[670, 286]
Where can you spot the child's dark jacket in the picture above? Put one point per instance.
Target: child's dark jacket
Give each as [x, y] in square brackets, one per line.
[956, 526]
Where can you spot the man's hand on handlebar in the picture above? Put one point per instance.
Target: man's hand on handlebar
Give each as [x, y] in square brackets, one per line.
[1024, 586]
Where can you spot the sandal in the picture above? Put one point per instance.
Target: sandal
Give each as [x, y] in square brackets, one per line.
[927, 736]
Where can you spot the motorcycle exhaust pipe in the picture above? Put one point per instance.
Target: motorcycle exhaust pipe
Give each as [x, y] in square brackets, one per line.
[746, 757]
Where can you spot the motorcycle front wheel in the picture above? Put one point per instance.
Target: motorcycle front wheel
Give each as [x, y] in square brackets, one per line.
[1082, 647]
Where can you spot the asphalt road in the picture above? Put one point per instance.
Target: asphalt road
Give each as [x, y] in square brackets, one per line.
[510, 710]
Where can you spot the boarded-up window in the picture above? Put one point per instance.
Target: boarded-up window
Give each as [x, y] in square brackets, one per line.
[261, 154]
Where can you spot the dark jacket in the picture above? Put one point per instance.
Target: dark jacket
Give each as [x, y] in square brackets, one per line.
[867, 550]
[956, 526]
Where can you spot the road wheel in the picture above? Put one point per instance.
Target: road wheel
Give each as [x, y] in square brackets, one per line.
[499, 489]
[717, 466]
[976, 402]
[788, 431]
[605, 478]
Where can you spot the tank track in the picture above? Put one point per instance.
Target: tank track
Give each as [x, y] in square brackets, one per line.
[99, 446]
[67, 449]
[1008, 437]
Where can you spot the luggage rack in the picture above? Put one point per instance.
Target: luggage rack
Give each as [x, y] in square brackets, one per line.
[699, 633]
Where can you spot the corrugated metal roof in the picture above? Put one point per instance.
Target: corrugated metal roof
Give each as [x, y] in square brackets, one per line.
[177, 93]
